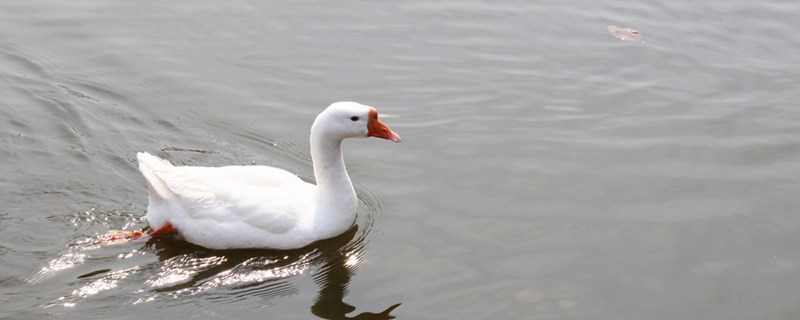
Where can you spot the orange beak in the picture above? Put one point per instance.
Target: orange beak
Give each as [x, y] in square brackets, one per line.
[376, 128]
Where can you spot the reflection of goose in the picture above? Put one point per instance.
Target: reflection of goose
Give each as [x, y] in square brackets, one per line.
[244, 263]
[333, 279]
[258, 206]
[333, 276]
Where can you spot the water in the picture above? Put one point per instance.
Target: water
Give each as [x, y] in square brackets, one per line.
[548, 169]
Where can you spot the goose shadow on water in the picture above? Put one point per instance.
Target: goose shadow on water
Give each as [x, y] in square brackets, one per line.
[335, 259]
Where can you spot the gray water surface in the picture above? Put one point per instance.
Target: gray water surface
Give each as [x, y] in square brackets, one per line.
[548, 169]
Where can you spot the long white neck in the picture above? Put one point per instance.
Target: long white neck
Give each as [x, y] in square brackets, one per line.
[335, 209]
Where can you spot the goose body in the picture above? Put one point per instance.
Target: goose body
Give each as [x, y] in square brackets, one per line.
[260, 206]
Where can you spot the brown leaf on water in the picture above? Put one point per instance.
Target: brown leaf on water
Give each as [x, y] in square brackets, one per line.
[625, 34]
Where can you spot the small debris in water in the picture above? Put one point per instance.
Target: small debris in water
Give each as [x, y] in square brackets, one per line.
[185, 150]
[625, 34]
[86, 275]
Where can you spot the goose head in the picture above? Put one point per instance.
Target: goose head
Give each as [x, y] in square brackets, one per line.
[348, 119]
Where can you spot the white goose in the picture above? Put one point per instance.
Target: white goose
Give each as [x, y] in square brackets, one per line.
[260, 206]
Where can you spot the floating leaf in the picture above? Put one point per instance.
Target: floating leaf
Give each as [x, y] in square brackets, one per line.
[625, 34]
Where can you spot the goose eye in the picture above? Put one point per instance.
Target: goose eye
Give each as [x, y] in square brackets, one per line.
[354, 118]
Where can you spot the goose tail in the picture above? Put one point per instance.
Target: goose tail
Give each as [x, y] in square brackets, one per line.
[149, 166]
